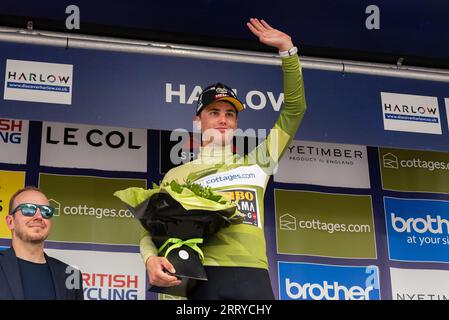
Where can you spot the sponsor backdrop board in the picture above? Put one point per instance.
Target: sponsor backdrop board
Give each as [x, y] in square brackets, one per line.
[130, 90]
[410, 170]
[323, 224]
[417, 229]
[327, 164]
[357, 190]
[94, 147]
[325, 240]
[13, 141]
[38, 82]
[416, 284]
[10, 181]
[107, 275]
[304, 281]
[87, 211]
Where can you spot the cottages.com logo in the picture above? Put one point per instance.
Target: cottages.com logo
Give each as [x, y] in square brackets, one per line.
[391, 161]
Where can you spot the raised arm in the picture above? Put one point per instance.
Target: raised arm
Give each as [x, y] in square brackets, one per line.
[268, 153]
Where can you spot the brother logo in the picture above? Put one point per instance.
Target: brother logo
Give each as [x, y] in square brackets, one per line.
[317, 291]
[420, 225]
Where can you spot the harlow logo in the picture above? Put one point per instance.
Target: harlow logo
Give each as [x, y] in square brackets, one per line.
[287, 222]
[390, 161]
[56, 205]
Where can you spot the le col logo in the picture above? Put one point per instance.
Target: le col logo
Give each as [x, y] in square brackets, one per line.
[94, 137]
[11, 131]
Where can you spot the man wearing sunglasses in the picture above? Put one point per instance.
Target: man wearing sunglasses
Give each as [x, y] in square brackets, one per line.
[26, 271]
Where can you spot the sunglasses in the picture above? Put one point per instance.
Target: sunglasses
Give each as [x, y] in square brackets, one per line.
[29, 210]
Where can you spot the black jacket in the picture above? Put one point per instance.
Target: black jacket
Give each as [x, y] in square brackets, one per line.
[11, 283]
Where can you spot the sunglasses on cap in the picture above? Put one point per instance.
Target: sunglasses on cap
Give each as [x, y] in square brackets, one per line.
[29, 210]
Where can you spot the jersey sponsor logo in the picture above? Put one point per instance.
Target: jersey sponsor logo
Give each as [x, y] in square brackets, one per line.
[244, 175]
[246, 200]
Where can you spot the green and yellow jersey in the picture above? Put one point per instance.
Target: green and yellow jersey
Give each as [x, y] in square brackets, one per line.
[244, 179]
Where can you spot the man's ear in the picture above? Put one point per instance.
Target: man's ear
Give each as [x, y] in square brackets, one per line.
[10, 221]
[197, 122]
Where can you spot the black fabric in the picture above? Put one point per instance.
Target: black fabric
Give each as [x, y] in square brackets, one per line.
[37, 281]
[165, 218]
[233, 283]
[11, 287]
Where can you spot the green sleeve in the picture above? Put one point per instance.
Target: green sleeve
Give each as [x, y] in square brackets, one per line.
[147, 246]
[268, 153]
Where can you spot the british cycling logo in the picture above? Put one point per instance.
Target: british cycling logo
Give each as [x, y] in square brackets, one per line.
[11, 130]
[104, 286]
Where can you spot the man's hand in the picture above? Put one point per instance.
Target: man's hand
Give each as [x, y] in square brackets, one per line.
[158, 277]
[270, 36]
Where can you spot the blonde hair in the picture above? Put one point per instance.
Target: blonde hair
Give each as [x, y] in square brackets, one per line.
[14, 196]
